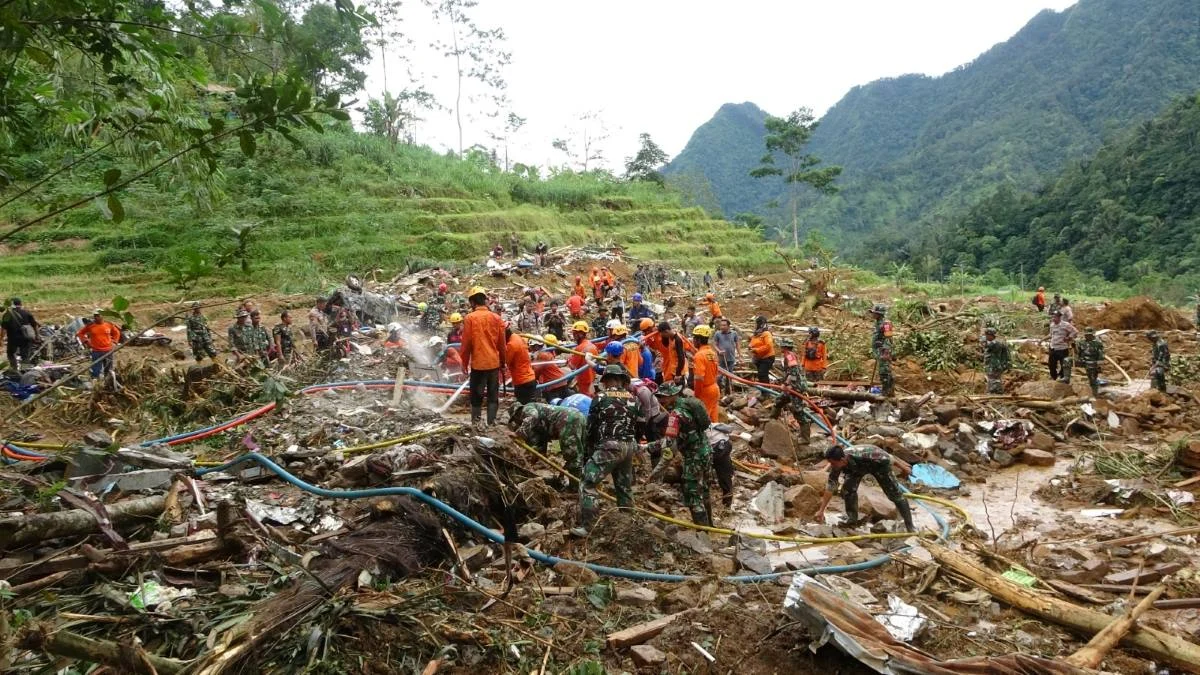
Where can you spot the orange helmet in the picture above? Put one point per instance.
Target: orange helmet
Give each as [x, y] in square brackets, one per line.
[709, 296]
[645, 324]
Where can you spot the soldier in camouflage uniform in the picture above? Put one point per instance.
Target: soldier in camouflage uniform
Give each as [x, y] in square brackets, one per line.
[255, 338]
[1160, 361]
[540, 423]
[199, 336]
[284, 341]
[431, 316]
[996, 360]
[237, 332]
[612, 441]
[1090, 351]
[881, 349]
[858, 461]
[685, 432]
[793, 378]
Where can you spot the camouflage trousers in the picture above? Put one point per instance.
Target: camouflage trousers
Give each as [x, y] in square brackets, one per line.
[995, 382]
[1093, 375]
[613, 458]
[693, 483]
[886, 383]
[1158, 378]
[799, 411]
[1068, 365]
[887, 483]
[202, 346]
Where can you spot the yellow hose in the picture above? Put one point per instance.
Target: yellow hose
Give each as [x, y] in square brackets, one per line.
[727, 531]
[540, 341]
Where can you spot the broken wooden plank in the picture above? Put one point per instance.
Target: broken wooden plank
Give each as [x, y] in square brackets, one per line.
[1091, 654]
[636, 635]
[1138, 538]
[1143, 576]
[1077, 592]
[14, 570]
[1164, 646]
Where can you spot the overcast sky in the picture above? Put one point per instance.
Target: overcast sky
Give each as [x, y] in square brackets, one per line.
[665, 66]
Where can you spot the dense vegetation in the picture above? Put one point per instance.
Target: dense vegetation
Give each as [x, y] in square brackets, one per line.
[298, 217]
[161, 148]
[916, 150]
[1129, 215]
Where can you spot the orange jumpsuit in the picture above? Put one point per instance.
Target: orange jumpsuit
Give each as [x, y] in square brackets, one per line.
[483, 341]
[631, 359]
[704, 372]
[672, 365]
[714, 308]
[821, 362]
[517, 357]
[551, 372]
[584, 380]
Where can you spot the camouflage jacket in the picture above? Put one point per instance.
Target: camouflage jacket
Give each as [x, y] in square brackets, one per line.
[690, 420]
[1160, 354]
[255, 340]
[996, 356]
[197, 327]
[793, 371]
[881, 342]
[612, 417]
[543, 423]
[284, 332]
[861, 460]
[1090, 352]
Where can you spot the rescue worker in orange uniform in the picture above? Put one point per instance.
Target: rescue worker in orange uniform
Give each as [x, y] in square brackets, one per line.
[550, 371]
[762, 348]
[483, 349]
[585, 380]
[671, 349]
[516, 357]
[631, 357]
[714, 308]
[704, 373]
[815, 356]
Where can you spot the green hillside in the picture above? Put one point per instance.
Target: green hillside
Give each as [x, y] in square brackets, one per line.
[1130, 214]
[917, 149]
[349, 202]
[720, 152]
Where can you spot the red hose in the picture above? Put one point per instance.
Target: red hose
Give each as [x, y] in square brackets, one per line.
[787, 390]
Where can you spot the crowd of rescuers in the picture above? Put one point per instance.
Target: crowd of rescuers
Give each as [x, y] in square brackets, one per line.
[652, 384]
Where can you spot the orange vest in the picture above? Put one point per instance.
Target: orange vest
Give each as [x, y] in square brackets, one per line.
[583, 381]
[762, 345]
[517, 357]
[482, 340]
[548, 373]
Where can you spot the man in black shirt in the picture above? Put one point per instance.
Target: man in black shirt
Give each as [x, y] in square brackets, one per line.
[20, 329]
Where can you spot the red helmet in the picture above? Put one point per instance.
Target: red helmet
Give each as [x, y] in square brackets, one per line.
[442, 288]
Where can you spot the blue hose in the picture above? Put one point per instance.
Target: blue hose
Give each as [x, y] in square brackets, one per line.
[544, 558]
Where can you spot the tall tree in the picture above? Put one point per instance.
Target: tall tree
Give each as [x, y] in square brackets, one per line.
[478, 53]
[645, 164]
[107, 85]
[330, 49]
[584, 144]
[393, 116]
[788, 136]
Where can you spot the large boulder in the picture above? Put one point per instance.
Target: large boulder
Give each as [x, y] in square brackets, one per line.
[777, 441]
[1046, 389]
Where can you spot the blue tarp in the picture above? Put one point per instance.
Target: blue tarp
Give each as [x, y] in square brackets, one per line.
[934, 476]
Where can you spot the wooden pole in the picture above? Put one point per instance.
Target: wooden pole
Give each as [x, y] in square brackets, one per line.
[1164, 646]
[1091, 654]
[122, 657]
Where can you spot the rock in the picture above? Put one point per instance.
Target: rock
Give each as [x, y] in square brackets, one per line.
[1042, 441]
[98, 439]
[576, 575]
[946, 413]
[769, 502]
[636, 597]
[737, 403]
[1130, 426]
[818, 444]
[884, 430]
[563, 605]
[777, 441]
[908, 455]
[1046, 389]
[531, 531]
[1089, 571]
[756, 439]
[1003, 457]
[721, 566]
[816, 479]
[646, 656]
[874, 505]
[684, 597]
[802, 501]
[1034, 457]
[695, 540]
[754, 562]
[233, 590]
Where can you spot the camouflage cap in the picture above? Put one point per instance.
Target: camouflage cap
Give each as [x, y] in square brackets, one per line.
[787, 343]
[1152, 334]
[990, 330]
[879, 309]
[1089, 331]
[614, 370]
[669, 389]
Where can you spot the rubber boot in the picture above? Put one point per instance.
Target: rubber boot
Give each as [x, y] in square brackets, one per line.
[702, 518]
[906, 513]
[492, 409]
[476, 412]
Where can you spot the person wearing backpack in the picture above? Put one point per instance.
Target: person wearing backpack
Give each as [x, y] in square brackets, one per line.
[21, 331]
[1039, 299]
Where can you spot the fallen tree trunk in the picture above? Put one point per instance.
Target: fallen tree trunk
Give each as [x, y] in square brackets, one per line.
[1164, 646]
[124, 658]
[15, 570]
[1091, 654]
[20, 530]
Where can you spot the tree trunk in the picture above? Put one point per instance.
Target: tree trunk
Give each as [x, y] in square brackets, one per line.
[123, 658]
[1164, 646]
[458, 92]
[19, 530]
[1091, 654]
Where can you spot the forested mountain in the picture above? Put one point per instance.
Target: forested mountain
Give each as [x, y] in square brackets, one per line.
[722, 151]
[917, 149]
[1131, 214]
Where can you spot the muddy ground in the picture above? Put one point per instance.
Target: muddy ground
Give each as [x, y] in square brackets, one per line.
[298, 582]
